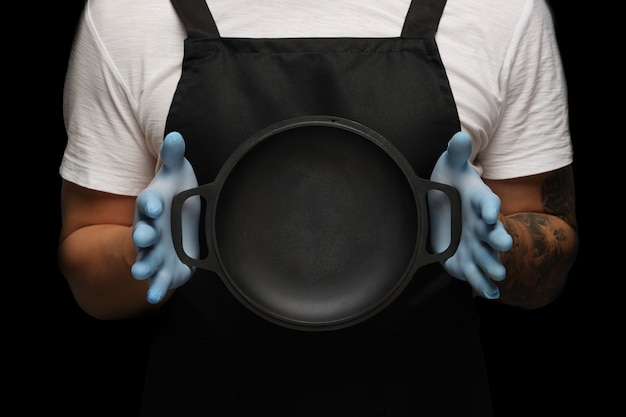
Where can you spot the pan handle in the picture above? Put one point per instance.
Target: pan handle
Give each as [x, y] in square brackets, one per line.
[207, 192]
[425, 255]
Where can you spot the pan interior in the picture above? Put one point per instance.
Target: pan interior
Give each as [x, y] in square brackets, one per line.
[316, 225]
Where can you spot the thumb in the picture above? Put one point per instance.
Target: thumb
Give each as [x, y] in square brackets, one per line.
[459, 149]
[173, 150]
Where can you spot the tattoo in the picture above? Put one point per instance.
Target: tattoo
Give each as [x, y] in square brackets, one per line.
[544, 248]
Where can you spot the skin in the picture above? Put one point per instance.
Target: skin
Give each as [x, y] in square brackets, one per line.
[538, 212]
[96, 250]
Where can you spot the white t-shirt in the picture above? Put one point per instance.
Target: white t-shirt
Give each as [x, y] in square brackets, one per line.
[501, 58]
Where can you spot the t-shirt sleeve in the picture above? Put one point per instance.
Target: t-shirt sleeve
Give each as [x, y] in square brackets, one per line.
[532, 135]
[106, 148]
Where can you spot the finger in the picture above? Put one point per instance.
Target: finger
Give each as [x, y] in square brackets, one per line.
[488, 260]
[459, 148]
[481, 284]
[158, 288]
[499, 239]
[173, 150]
[147, 264]
[144, 235]
[485, 251]
[488, 205]
[150, 204]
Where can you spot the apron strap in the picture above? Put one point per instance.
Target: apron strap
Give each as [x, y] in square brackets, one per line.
[422, 19]
[197, 18]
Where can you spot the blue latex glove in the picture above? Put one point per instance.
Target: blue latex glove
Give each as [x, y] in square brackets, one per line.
[157, 260]
[477, 258]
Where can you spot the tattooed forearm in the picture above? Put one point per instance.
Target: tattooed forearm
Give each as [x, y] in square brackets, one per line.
[544, 246]
[539, 261]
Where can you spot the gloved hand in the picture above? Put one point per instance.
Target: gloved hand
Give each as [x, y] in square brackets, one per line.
[157, 260]
[477, 258]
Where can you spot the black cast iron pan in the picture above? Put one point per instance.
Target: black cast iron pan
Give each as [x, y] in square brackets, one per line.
[316, 223]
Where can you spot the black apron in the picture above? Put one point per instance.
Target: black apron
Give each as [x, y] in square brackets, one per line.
[213, 356]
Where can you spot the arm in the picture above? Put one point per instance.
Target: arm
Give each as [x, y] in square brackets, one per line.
[518, 239]
[538, 212]
[115, 249]
[96, 252]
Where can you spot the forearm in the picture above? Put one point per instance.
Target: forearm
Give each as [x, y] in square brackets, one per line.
[544, 250]
[96, 261]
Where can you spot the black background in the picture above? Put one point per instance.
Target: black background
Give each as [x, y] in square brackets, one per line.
[545, 362]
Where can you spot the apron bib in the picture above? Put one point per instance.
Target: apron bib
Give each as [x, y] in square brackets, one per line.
[211, 349]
